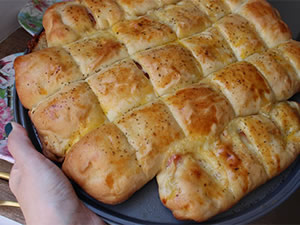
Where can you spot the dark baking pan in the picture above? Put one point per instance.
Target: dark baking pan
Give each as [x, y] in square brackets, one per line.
[144, 207]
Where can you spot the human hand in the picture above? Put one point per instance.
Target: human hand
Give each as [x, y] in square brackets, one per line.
[42, 190]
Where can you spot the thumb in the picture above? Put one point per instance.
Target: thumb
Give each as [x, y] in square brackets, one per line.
[20, 146]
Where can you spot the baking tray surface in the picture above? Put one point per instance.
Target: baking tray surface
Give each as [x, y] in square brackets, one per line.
[144, 207]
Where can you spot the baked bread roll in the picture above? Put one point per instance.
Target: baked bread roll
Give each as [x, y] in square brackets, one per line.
[238, 32]
[169, 67]
[106, 13]
[65, 117]
[121, 87]
[143, 33]
[215, 9]
[150, 129]
[44, 73]
[200, 111]
[243, 86]
[62, 26]
[96, 52]
[210, 49]
[266, 21]
[190, 191]
[106, 152]
[184, 18]
[193, 92]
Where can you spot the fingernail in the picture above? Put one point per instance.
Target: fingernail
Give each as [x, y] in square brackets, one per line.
[8, 128]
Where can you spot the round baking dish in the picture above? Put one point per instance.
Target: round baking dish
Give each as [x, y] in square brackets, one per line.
[144, 207]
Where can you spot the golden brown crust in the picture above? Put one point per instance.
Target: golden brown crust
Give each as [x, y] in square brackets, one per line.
[244, 87]
[61, 23]
[200, 111]
[103, 160]
[94, 53]
[263, 139]
[57, 32]
[291, 52]
[215, 9]
[72, 13]
[285, 62]
[286, 115]
[210, 49]
[138, 7]
[277, 77]
[42, 73]
[267, 22]
[233, 149]
[169, 67]
[234, 4]
[120, 88]
[230, 168]
[189, 191]
[142, 33]
[166, 2]
[65, 117]
[184, 18]
[150, 129]
[105, 12]
[242, 38]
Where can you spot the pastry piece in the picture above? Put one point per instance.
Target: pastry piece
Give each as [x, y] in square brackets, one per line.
[57, 32]
[121, 87]
[104, 160]
[184, 18]
[64, 118]
[138, 7]
[291, 51]
[263, 138]
[215, 9]
[105, 12]
[210, 50]
[240, 35]
[276, 75]
[166, 2]
[169, 67]
[243, 86]
[143, 33]
[189, 191]
[42, 73]
[234, 4]
[96, 52]
[232, 167]
[62, 26]
[200, 111]
[150, 129]
[237, 167]
[286, 115]
[288, 67]
[267, 22]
